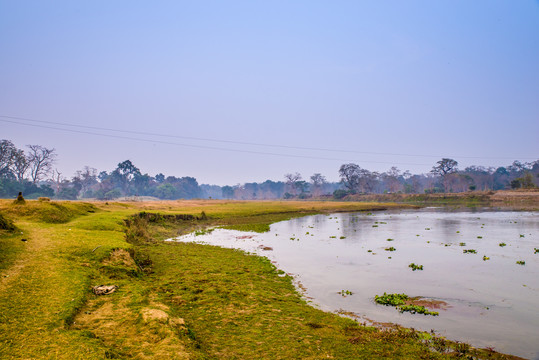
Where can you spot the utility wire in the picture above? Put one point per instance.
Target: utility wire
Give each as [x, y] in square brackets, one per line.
[202, 146]
[250, 143]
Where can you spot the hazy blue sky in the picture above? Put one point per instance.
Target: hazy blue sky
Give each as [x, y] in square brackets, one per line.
[391, 82]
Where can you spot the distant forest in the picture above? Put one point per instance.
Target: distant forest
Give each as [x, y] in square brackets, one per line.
[32, 172]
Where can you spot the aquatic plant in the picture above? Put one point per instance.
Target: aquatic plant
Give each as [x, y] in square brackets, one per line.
[399, 301]
[462, 244]
[390, 239]
[342, 237]
[369, 250]
[375, 226]
[417, 309]
[485, 258]
[391, 299]
[203, 232]
[521, 262]
[502, 244]
[415, 267]
[469, 251]
[521, 235]
[390, 249]
[345, 293]
[535, 250]
[332, 237]
[479, 237]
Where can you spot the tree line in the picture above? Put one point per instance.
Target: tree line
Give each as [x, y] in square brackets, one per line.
[32, 172]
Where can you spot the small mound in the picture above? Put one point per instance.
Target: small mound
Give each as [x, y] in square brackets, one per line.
[120, 257]
[53, 212]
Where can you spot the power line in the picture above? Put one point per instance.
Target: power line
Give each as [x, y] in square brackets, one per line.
[249, 143]
[202, 146]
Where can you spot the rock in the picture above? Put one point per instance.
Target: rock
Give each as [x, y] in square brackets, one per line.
[104, 289]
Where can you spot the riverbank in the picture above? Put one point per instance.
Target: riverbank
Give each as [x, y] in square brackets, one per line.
[525, 199]
[174, 301]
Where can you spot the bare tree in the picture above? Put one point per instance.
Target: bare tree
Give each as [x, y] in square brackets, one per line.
[318, 181]
[392, 179]
[57, 179]
[41, 160]
[292, 181]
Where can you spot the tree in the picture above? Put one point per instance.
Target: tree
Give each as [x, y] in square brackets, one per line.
[20, 165]
[350, 175]
[318, 181]
[228, 192]
[85, 178]
[391, 178]
[41, 160]
[7, 153]
[292, 181]
[124, 173]
[445, 167]
[160, 178]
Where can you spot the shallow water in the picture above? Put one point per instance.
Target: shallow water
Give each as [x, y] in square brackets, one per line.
[490, 303]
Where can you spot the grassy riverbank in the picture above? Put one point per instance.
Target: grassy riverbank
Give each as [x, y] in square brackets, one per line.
[174, 300]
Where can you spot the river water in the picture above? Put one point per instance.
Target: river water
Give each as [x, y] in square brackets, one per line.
[490, 302]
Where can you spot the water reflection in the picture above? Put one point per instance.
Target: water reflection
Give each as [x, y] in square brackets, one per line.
[492, 303]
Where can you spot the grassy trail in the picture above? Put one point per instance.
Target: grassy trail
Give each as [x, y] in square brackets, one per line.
[174, 301]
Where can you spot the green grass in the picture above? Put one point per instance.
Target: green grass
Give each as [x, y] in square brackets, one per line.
[175, 300]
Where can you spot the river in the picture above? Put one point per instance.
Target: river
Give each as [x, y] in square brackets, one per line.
[469, 260]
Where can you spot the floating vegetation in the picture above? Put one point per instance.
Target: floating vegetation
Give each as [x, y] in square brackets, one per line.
[332, 237]
[400, 302]
[391, 248]
[391, 299]
[375, 226]
[485, 258]
[462, 244]
[535, 250]
[479, 237]
[292, 238]
[446, 245]
[415, 267]
[390, 239]
[342, 237]
[417, 309]
[382, 222]
[521, 262]
[458, 232]
[502, 244]
[469, 251]
[521, 235]
[427, 228]
[307, 233]
[345, 293]
[369, 250]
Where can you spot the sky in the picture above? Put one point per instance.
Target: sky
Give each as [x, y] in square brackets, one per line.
[232, 91]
